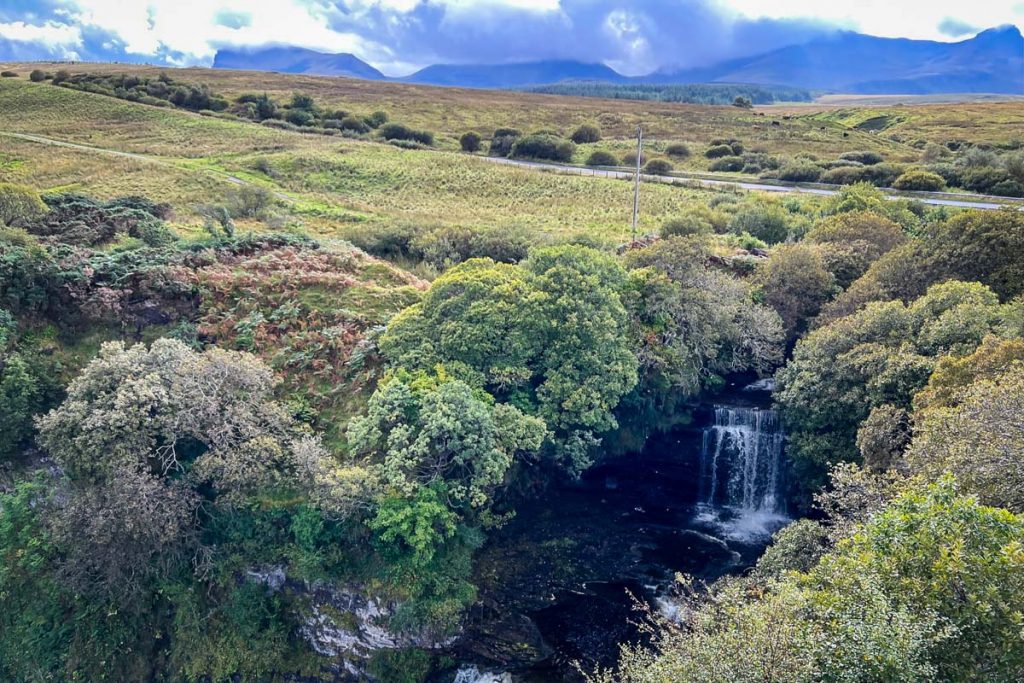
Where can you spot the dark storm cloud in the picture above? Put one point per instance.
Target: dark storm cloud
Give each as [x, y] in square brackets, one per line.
[954, 28]
[633, 36]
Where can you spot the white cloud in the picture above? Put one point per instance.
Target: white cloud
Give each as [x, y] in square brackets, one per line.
[892, 18]
[50, 34]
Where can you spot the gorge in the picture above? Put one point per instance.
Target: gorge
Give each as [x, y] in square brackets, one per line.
[561, 582]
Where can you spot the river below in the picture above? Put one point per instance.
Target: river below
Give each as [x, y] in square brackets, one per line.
[560, 583]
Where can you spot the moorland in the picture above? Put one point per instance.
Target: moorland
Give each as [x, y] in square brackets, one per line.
[282, 358]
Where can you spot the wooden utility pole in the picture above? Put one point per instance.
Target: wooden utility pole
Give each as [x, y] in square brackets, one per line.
[636, 182]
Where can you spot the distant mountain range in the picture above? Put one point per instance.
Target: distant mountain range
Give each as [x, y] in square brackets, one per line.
[847, 62]
[296, 60]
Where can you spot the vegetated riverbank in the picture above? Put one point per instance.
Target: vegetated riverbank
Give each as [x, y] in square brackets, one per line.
[561, 583]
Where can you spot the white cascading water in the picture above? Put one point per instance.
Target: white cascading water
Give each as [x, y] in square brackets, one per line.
[741, 471]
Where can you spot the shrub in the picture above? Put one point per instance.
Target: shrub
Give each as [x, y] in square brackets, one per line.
[950, 173]
[602, 158]
[470, 142]
[679, 150]
[397, 131]
[866, 158]
[658, 167]
[300, 117]
[719, 151]
[629, 159]
[844, 175]
[354, 124]
[977, 157]
[690, 223]
[800, 171]
[543, 146]
[376, 119]
[586, 134]
[983, 179]
[19, 205]
[768, 222]
[37, 76]
[728, 164]
[8, 74]
[250, 201]
[61, 76]
[502, 141]
[883, 175]
[920, 180]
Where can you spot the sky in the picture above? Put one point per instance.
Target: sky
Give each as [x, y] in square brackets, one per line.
[399, 36]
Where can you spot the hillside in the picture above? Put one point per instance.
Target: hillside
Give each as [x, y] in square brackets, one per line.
[846, 62]
[296, 60]
[513, 75]
[991, 62]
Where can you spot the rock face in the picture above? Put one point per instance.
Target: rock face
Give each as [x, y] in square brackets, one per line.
[344, 623]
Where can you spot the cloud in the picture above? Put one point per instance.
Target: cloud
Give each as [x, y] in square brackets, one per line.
[632, 37]
[232, 19]
[954, 28]
[399, 36]
[39, 41]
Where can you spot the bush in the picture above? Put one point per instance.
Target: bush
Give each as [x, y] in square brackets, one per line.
[300, 117]
[471, 142]
[37, 76]
[719, 151]
[678, 150]
[658, 167]
[883, 175]
[543, 146]
[376, 119]
[502, 141]
[728, 164]
[602, 158]
[866, 158]
[691, 223]
[800, 171]
[8, 74]
[629, 159]
[397, 131]
[844, 175]
[920, 181]
[19, 205]
[250, 201]
[768, 222]
[61, 76]
[355, 125]
[586, 134]
[983, 179]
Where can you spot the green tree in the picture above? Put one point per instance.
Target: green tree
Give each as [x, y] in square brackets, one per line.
[881, 355]
[549, 336]
[438, 432]
[796, 284]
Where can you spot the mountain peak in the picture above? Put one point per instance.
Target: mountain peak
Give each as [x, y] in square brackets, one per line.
[295, 60]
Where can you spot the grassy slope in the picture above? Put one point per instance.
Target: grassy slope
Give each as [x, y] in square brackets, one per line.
[336, 183]
[449, 112]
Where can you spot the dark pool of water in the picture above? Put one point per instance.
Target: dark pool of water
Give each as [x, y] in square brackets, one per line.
[560, 583]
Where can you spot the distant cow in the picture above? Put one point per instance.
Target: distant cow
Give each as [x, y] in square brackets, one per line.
[776, 123]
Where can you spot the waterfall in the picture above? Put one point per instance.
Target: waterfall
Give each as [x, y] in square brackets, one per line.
[741, 461]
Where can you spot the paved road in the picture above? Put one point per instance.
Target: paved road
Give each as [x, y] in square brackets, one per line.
[952, 199]
[949, 199]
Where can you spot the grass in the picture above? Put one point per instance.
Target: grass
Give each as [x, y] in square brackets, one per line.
[335, 184]
[450, 112]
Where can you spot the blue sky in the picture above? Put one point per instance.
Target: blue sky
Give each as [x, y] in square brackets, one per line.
[399, 36]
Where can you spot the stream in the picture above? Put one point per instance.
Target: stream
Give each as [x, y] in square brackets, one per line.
[560, 583]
